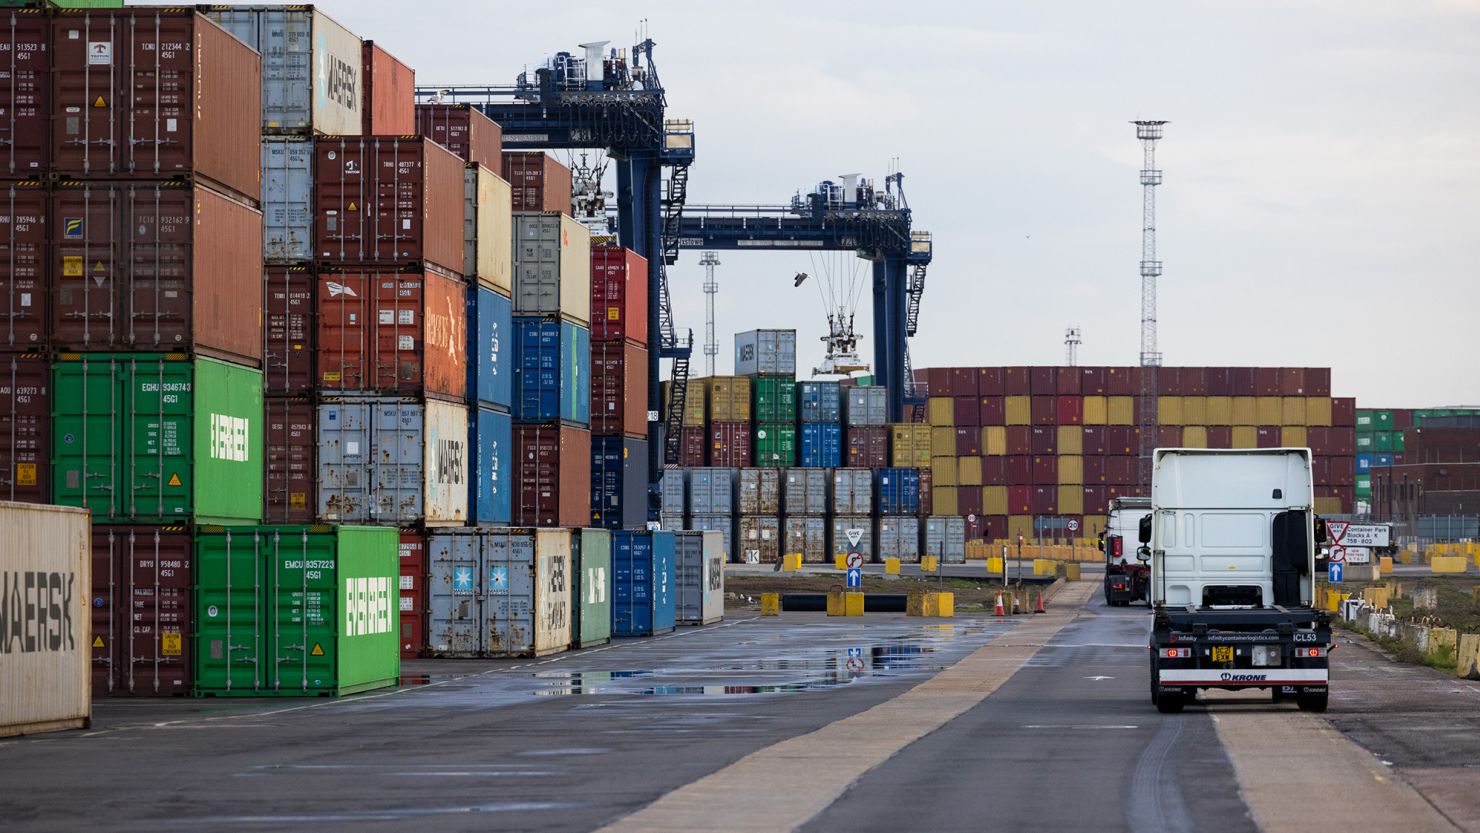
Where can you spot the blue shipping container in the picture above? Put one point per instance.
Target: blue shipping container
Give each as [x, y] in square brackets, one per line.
[643, 573]
[1382, 460]
[819, 402]
[490, 479]
[619, 473]
[490, 326]
[552, 371]
[899, 491]
[1364, 462]
[821, 445]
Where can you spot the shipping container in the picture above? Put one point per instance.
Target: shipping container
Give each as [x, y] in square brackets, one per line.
[393, 460]
[776, 445]
[760, 491]
[488, 230]
[25, 428]
[773, 399]
[964, 411]
[490, 326]
[644, 574]
[619, 383]
[290, 330]
[590, 588]
[899, 537]
[729, 398]
[412, 594]
[909, 445]
[389, 108]
[759, 539]
[25, 93]
[968, 442]
[539, 182]
[691, 447]
[159, 266]
[729, 444]
[806, 535]
[552, 475]
[867, 447]
[899, 491]
[464, 130]
[821, 444]
[499, 592]
[552, 266]
[552, 371]
[991, 381]
[699, 580]
[853, 491]
[820, 402]
[142, 615]
[866, 406]
[695, 404]
[44, 677]
[771, 352]
[712, 491]
[148, 438]
[154, 93]
[296, 610]
[290, 479]
[490, 478]
[804, 493]
[388, 201]
[619, 481]
[24, 285]
[387, 332]
[287, 199]
[619, 284]
[673, 491]
[863, 528]
[946, 471]
[1017, 410]
[723, 524]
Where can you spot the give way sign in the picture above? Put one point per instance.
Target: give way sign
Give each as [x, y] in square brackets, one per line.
[1341, 551]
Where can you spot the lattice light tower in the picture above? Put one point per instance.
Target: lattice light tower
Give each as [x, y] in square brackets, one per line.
[1149, 132]
[1071, 346]
[711, 289]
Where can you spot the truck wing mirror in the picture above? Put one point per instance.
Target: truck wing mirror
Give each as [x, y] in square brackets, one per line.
[1145, 531]
[1143, 554]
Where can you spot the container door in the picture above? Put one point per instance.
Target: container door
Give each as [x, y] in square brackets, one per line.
[455, 593]
[552, 629]
[664, 577]
[87, 460]
[508, 623]
[228, 442]
[345, 460]
[575, 382]
[446, 463]
[142, 610]
[300, 604]
[159, 401]
[229, 614]
[364, 614]
[595, 587]
[492, 448]
[287, 198]
[396, 461]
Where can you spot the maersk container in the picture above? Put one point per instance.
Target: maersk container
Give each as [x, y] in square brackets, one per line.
[552, 371]
[590, 588]
[296, 610]
[150, 438]
[699, 582]
[499, 592]
[552, 266]
[899, 491]
[312, 68]
[807, 536]
[774, 399]
[643, 576]
[488, 229]
[619, 479]
[853, 492]
[819, 402]
[712, 491]
[393, 460]
[759, 539]
[25, 428]
[287, 199]
[491, 435]
[723, 524]
[805, 492]
[866, 406]
[766, 351]
[673, 486]
[760, 492]
[142, 615]
[821, 445]
[776, 445]
[899, 537]
[945, 538]
[490, 350]
[841, 524]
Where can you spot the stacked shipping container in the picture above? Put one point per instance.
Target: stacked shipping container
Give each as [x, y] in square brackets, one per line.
[619, 375]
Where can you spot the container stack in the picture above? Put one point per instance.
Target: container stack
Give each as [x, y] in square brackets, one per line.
[866, 430]
[768, 358]
[619, 383]
[805, 510]
[760, 515]
[852, 508]
[820, 425]
[729, 431]
[1380, 444]
[712, 493]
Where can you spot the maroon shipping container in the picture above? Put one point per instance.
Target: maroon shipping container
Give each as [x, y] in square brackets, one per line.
[967, 411]
[969, 500]
[1220, 381]
[1320, 469]
[1094, 469]
[464, 130]
[691, 442]
[729, 444]
[1317, 438]
[1019, 500]
[1015, 381]
[1066, 381]
[937, 381]
[1122, 471]
[1243, 381]
[1070, 410]
[25, 92]
[1269, 437]
[1402, 417]
[1045, 500]
[1195, 381]
[1343, 471]
[23, 284]
[413, 593]
[1121, 440]
[1092, 381]
[1343, 412]
[539, 182]
[1122, 381]
[1019, 471]
[1292, 381]
[1019, 439]
[1095, 502]
[1168, 436]
[1043, 381]
[619, 373]
[552, 475]
[986, 528]
[291, 477]
[1343, 440]
[1044, 410]
[1043, 440]
[927, 491]
[389, 108]
[1094, 440]
[968, 442]
[1220, 436]
[290, 330]
[156, 266]
[994, 471]
[868, 447]
[142, 610]
[1266, 381]
[1317, 381]
[393, 332]
[388, 201]
[155, 93]
[989, 381]
[619, 280]
[992, 411]
[1045, 469]
[25, 428]
[964, 382]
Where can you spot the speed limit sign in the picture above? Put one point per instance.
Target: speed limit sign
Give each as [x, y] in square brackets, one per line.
[1073, 526]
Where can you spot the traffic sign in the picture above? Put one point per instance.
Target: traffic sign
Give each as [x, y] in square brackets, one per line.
[855, 577]
[971, 519]
[854, 536]
[855, 653]
[1358, 555]
[1336, 555]
[855, 559]
[854, 665]
[1073, 526]
[1333, 572]
[1366, 535]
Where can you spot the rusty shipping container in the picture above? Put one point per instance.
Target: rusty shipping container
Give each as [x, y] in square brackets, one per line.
[729, 444]
[389, 108]
[760, 491]
[290, 330]
[619, 372]
[464, 130]
[290, 482]
[412, 596]
[25, 92]
[539, 182]
[142, 610]
[808, 536]
[393, 460]
[552, 475]
[25, 428]
[760, 540]
[392, 332]
[154, 92]
[388, 201]
[23, 265]
[158, 266]
[868, 447]
[618, 294]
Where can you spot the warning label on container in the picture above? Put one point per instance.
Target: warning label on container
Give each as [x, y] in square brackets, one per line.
[99, 102]
[71, 266]
[25, 474]
[174, 480]
[352, 207]
[97, 641]
[318, 650]
[169, 644]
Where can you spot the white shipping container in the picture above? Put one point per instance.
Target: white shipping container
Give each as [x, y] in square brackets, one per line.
[699, 562]
[45, 655]
[766, 351]
[488, 229]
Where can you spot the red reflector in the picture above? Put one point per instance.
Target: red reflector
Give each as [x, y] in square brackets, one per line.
[1115, 546]
[1314, 652]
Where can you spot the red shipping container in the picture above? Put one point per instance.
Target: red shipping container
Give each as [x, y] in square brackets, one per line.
[729, 444]
[619, 308]
[539, 182]
[967, 411]
[994, 471]
[992, 410]
[1094, 469]
[927, 492]
[156, 266]
[1070, 410]
[1169, 436]
[1220, 381]
[1292, 381]
[938, 381]
[1066, 381]
[464, 130]
[1019, 439]
[1347, 496]
[1019, 500]
[25, 428]
[147, 92]
[1045, 469]
[1402, 417]
[1045, 500]
[23, 284]
[552, 476]
[619, 372]
[691, 443]
[968, 442]
[1094, 440]
[1194, 381]
[1093, 381]
[868, 447]
[1319, 440]
[1243, 381]
[291, 477]
[1122, 471]
[1343, 412]
[1267, 381]
[142, 610]
[1220, 436]
[1343, 440]
[25, 90]
[1318, 382]
[989, 381]
[1019, 471]
[1044, 410]
[413, 593]
[964, 382]
[986, 528]
[290, 330]
[388, 201]
[1320, 469]
[389, 108]
[1095, 502]
[1042, 440]
[1043, 381]
[1122, 381]
[969, 500]
[1015, 381]
[393, 332]
[1343, 471]
[1269, 437]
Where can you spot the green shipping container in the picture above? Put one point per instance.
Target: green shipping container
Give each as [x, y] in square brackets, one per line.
[775, 399]
[1364, 486]
[591, 589]
[1364, 420]
[775, 445]
[296, 610]
[1381, 441]
[156, 438]
[1365, 441]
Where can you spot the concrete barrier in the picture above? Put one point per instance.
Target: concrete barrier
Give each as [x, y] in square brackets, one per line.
[1448, 564]
[1385, 565]
[994, 565]
[891, 566]
[929, 563]
[840, 561]
[1044, 567]
[940, 605]
[1424, 598]
[1443, 640]
[791, 562]
[1376, 596]
[770, 604]
[843, 603]
[1468, 657]
[1072, 571]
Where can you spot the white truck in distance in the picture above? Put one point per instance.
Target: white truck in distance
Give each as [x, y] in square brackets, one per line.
[1232, 541]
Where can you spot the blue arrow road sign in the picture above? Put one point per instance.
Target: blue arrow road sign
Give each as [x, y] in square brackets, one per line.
[855, 576]
[1334, 572]
[855, 653]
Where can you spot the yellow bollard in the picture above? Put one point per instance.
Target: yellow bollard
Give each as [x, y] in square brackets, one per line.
[891, 566]
[940, 605]
[914, 604]
[840, 561]
[929, 563]
[994, 565]
[1447, 564]
[791, 562]
[852, 604]
[770, 604]
[1385, 565]
[835, 606]
[1072, 571]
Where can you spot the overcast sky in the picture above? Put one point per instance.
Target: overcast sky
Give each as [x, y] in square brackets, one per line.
[1322, 196]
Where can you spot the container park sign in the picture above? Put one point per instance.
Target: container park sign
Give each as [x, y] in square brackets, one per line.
[1347, 534]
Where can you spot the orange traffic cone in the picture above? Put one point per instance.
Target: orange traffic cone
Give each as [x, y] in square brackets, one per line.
[999, 611]
[1039, 608]
[1016, 605]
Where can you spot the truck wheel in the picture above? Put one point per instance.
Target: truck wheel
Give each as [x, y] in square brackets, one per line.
[1171, 703]
[1312, 702]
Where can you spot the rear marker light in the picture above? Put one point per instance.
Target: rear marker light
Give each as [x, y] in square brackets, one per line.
[1175, 653]
[1313, 652]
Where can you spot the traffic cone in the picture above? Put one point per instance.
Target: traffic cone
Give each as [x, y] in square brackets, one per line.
[1016, 606]
[1039, 608]
[999, 611]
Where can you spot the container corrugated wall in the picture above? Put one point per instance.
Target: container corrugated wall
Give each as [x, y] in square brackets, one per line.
[643, 567]
[393, 460]
[699, 584]
[591, 588]
[488, 229]
[552, 266]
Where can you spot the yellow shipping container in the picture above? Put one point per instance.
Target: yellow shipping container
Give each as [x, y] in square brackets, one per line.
[1318, 411]
[695, 404]
[1122, 410]
[1292, 410]
[994, 500]
[1328, 506]
[1071, 439]
[1195, 410]
[968, 471]
[941, 410]
[1220, 410]
[1096, 410]
[1071, 499]
[1268, 410]
[1018, 525]
[943, 500]
[1169, 410]
[994, 441]
[1245, 410]
[729, 399]
[1245, 436]
[1195, 436]
[909, 445]
[942, 442]
[944, 472]
[1071, 473]
[1019, 410]
[1294, 436]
